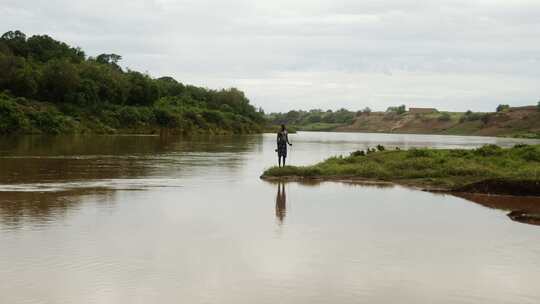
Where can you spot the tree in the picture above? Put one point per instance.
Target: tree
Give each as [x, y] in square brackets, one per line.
[538, 105]
[291, 117]
[17, 76]
[60, 79]
[16, 42]
[502, 107]
[110, 59]
[44, 48]
[44, 69]
[314, 118]
[398, 110]
[112, 84]
[168, 86]
[142, 90]
[366, 110]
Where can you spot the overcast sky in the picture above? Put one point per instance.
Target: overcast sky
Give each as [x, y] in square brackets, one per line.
[303, 54]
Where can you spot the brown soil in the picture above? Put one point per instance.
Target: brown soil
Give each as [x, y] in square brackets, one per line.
[501, 187]
[508, 187]
[513, 122]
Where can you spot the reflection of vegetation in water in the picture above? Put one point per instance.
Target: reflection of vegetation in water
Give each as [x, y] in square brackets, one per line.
[444, 168]
[81, 163]
[121, 145]
[37, 159]
[18, 209]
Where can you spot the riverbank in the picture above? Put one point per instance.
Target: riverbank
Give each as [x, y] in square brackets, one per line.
[489, 169]
[519, 122]
[516, 122]
[25, 116]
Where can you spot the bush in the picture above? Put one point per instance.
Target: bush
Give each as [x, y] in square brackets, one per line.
[11, 118]
[196, 119]
[445, 117]
[528, 153]
[214, 117]
[129, 116]
[166, 118]
[502, 107]
[358, 153]
[414, 152]
[488, 150]
[49, 121]
[398, 110]
[471, 116]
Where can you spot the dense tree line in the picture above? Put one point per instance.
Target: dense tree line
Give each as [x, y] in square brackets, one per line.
[39, 68]
[314, 116]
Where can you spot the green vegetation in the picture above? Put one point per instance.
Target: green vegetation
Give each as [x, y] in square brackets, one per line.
[502, 107]
[50, 87]
[312, 120]
[426, 167]
[473, 116]
[397, 110]
[445, 116]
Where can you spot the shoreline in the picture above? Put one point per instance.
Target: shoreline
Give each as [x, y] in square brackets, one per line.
[489, 187]
[416, 133]
[489, 169]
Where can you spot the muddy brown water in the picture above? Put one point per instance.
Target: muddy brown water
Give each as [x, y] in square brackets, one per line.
[143, 219]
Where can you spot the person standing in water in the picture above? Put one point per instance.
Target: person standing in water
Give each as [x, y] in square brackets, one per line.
[282, 142]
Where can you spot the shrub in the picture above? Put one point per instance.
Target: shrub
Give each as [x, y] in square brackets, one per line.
[214, 117]
[358, 153]
[129, 116]
[488, 150]
[471, 116]
[366, 110]
[502, 107]
[528, 153]
[11, 118]
[445, 117]
[414, 152]
[166, 118]
[196, 119]
[49, 121]
[398, 110]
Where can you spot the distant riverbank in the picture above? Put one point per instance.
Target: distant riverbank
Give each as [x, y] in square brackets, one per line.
[489, 169]
[517, 122]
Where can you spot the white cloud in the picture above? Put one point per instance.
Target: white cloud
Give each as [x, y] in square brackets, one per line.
[451, 54]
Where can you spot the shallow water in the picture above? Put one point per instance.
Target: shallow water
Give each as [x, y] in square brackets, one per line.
[141, 219]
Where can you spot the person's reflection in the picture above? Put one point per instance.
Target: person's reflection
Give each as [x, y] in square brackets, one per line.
[281, 202]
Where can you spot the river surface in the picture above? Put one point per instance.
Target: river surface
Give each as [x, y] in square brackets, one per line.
[144, 219]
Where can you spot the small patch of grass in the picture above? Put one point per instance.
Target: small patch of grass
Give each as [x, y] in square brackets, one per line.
[432, 167]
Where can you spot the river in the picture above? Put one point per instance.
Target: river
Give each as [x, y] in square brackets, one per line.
[146, 219]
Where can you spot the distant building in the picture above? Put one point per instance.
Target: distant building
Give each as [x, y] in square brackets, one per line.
[422, 110]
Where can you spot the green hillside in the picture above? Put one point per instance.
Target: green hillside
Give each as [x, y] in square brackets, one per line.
[47, 86]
